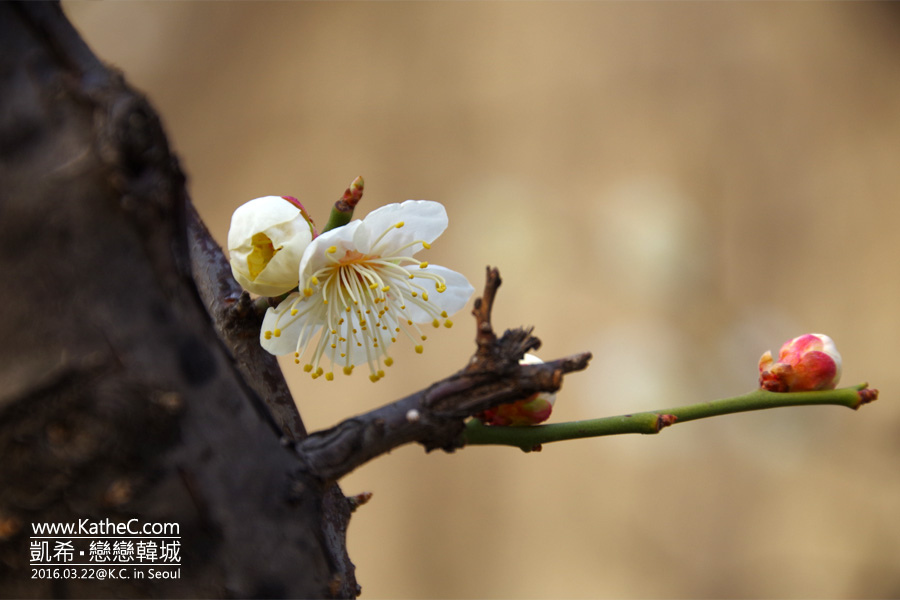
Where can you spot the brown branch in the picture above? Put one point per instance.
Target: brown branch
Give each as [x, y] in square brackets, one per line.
[484, 331]
[435, 417]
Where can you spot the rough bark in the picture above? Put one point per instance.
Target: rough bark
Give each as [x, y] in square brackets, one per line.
[118, 399]
[132, 383]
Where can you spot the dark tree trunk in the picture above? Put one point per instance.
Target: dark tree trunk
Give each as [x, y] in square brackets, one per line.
[118, 398]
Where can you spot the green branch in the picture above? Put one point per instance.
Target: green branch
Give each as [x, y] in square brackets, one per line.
[531, 438]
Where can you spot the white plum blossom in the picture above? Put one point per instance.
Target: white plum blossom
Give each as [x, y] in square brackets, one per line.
[266, 242]
[361, 289]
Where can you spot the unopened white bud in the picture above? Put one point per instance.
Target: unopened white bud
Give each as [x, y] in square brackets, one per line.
[266, 241]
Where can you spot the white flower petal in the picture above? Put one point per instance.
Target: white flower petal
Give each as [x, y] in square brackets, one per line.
[423, 220]
[451, 300]
[260, 287]
[289, 328]
[258, 215]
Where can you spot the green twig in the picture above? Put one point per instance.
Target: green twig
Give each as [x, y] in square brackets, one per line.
[531, 438]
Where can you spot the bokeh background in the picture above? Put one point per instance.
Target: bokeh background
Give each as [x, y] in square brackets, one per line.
[676, 187]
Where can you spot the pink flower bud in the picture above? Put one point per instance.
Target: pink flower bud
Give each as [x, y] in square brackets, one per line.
[530, 411]
[806, 363]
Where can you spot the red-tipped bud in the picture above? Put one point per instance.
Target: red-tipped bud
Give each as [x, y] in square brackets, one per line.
[353, 194]
[806, 363]
[305, 214]
[529, 411]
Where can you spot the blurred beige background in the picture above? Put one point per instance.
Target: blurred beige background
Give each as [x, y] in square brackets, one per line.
[676, 187]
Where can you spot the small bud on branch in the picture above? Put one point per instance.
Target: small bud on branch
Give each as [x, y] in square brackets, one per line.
[342, 211]
[806, 363]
